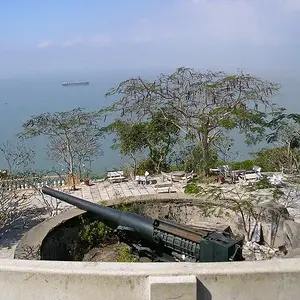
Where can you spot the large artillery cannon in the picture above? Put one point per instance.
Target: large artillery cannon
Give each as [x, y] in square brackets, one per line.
[159, 240]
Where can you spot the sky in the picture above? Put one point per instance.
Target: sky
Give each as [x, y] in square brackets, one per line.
[71, 35]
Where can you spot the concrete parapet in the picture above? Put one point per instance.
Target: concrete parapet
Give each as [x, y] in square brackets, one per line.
[30, 280]
[38, 279]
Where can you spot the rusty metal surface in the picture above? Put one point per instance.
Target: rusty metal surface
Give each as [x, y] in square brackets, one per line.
[178, 230]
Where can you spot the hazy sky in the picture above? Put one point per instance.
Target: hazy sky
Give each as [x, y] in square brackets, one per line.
[121, 34]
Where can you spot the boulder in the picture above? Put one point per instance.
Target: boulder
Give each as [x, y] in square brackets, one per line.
[294, 253]
[291, 231]
[272, 217]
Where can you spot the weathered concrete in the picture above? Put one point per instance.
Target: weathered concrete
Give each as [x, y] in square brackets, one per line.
[172, 287]
[29, 245]
[30, 280]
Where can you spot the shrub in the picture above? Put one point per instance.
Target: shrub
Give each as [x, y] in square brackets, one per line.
[124, 255]
[135, 207]
[192, 188]
[95, 233]
[243, 165]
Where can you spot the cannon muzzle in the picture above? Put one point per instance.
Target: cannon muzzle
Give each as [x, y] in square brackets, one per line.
[110, 216]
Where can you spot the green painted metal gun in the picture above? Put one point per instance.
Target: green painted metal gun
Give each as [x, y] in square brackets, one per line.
[159, 240]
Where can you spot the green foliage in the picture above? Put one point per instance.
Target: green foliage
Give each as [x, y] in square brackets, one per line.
[95, 233]
[204, 106]
[192, 159]
[192, 188]
[155, 136]
[283, 123]
[134, 207]
[124, 255]
[240, 201]
[271, 159]
[146, 165]
[243, 165]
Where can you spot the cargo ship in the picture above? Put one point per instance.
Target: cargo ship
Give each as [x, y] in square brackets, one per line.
[75, 83]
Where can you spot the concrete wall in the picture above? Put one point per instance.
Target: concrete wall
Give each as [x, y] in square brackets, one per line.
[30, 280]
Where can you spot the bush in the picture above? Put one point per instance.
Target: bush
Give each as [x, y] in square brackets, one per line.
[145, 165]
[135, 207]
[95, 233]
[243, 165]
[124, 255]
[272, 159]
[192, 188]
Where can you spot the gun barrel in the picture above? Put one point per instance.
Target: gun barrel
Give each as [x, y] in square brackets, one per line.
[108, 215]
[173, 237]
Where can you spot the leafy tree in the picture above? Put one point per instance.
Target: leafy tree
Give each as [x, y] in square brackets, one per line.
[73, 136]
[271, 159]
[190, 157]
[157, 136]
[202, 105]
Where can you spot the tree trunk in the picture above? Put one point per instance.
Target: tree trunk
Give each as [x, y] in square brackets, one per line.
[79, 171]
[205, 153]
[289, 158]
[71, 167]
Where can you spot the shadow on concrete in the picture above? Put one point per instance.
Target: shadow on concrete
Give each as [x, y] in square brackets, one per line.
[10, 235]
[202, 292]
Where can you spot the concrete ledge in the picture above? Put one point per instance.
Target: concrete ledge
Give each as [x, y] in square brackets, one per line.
[30, 280]
[173, 287]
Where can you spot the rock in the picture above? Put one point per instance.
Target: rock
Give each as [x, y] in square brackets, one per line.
[256, 235]
[295, 253]
[272, 216]
[265, 249]
[272, 251]
[259, 256]
[291, 232]
[255, 246]
[254, 251]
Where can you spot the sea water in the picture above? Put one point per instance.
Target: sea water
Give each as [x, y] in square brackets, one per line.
[22, 97]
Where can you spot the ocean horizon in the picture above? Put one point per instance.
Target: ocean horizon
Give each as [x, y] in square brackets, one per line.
[24, 96]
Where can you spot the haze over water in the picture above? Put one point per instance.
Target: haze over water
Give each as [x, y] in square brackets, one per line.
[20, 98]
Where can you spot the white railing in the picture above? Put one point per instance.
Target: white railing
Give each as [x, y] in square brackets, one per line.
[33, 182]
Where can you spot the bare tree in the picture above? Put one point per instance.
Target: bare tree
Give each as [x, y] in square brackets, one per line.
[17, 155]
[14, 205]
[70, 135]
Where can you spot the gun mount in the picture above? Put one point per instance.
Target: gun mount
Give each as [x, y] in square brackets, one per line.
[159, 240]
